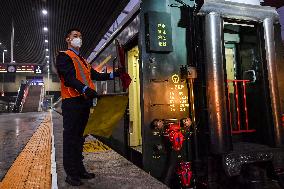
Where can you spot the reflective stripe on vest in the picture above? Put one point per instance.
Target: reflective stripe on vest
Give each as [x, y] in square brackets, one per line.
[82, 72]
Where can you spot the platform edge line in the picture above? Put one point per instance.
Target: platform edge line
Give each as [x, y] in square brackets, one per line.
[54, 184]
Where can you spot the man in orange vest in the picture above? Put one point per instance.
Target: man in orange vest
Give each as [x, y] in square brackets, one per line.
[77, 92]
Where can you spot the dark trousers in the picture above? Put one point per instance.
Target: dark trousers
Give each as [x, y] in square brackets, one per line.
[75, 113]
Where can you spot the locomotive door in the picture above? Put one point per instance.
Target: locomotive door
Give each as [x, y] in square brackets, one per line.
[247, 90]
[254, 54]
[135, 138]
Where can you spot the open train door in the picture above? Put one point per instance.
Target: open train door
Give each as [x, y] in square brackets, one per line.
[134, 130]
[242, 91]
[248, 100]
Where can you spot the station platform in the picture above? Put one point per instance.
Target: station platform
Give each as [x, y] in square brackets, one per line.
[31, 157]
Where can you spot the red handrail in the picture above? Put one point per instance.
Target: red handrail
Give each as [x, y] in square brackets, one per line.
[238, 108]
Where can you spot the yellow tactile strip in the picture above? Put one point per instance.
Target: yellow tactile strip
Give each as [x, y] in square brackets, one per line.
[32, 167]
[95, 146]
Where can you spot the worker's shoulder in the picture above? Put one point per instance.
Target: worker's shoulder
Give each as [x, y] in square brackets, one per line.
[62, 56]
[61, 53]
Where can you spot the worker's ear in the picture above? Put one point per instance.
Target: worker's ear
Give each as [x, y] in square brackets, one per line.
[67, 39]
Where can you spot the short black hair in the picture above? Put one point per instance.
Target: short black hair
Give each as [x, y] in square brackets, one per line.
[67, 34]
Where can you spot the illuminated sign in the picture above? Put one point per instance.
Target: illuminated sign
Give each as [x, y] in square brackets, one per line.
[158, 32]
[25, 68]
[178, 98]
[11, 69]
[3, 68]
[21, 69]
[38, 69]
[162, 35]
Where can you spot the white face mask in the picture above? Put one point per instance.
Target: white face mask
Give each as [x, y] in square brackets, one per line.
[76, 42]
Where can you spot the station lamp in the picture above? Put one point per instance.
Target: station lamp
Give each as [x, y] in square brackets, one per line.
[44, 12]
[4, 54]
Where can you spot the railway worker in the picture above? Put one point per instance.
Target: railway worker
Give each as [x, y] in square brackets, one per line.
[77, 92]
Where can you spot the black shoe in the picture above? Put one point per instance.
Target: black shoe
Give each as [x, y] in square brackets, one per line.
[74, 181]
[87, 175]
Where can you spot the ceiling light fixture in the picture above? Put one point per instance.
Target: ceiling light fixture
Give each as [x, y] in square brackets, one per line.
[44, 12]
[5, 50]
[46, 50]
[46, 41]
[45, 29]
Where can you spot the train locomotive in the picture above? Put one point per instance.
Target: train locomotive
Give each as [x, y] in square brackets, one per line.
[204, 103]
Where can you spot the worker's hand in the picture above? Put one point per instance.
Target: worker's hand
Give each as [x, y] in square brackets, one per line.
[90, 93]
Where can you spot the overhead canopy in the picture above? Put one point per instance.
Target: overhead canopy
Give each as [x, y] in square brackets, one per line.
[93, 18]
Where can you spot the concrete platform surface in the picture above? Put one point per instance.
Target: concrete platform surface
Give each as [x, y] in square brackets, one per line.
[15, 131]
[32, 167]
[112, 170]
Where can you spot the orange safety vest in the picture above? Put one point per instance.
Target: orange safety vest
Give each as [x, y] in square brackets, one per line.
[83, 74]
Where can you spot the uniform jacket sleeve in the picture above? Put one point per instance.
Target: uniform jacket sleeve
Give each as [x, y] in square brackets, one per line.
[99, 76]
[66, 69]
